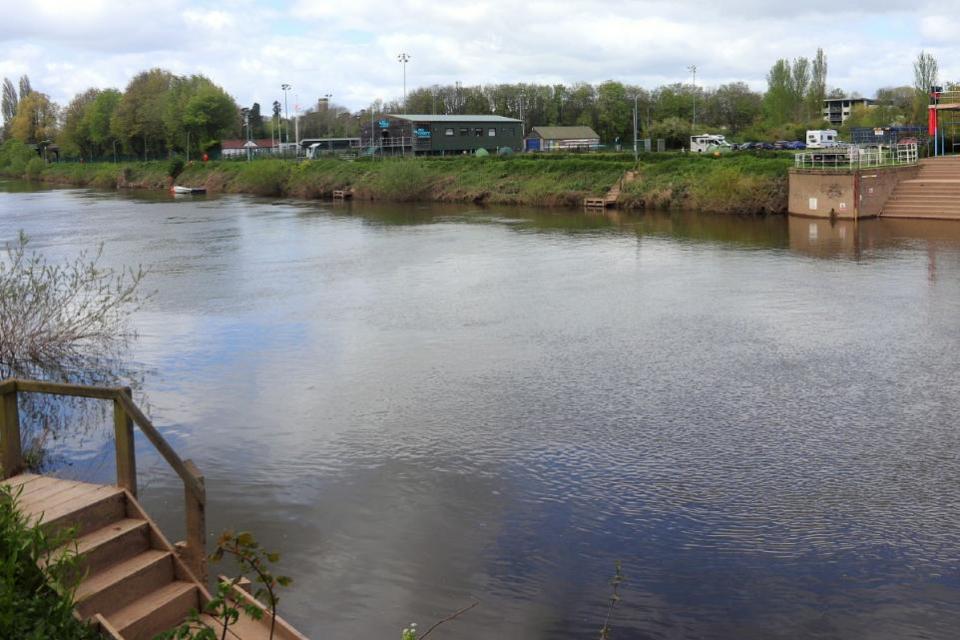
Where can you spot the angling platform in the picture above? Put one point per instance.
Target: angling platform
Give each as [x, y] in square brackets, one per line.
[135, 584]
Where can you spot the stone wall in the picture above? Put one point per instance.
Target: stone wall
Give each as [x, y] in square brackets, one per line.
[859, 193]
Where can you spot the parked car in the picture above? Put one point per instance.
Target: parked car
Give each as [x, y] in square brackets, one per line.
[796, 145]
[746, 146]
[766, 146]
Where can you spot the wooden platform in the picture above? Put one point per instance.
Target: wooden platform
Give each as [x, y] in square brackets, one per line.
[342, 194]
[135, 585]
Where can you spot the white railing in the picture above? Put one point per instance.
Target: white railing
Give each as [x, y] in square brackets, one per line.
[853, 157]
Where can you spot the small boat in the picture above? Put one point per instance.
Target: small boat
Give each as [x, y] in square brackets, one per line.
[179, 189]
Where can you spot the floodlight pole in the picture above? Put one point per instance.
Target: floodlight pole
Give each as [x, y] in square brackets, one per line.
[403, 59]
[693, 69]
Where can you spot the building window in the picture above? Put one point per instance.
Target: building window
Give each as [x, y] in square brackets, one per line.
[492, 131]
[464, 131]
[448, 131]
[478, 132]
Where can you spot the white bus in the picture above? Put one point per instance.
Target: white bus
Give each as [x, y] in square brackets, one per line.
[708, 142]
[822, 139]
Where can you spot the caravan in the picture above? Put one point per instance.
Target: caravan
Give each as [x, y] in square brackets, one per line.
[822, 139]
[709, 142]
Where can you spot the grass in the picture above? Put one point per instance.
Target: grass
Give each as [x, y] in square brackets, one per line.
[733, 183]
[35, 603]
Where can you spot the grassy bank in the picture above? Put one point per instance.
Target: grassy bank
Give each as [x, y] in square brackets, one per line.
[734, 183]
[729, 184]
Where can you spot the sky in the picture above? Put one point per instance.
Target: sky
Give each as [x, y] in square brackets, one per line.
[349, 48]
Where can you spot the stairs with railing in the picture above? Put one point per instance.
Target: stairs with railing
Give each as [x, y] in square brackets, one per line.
[933, 193]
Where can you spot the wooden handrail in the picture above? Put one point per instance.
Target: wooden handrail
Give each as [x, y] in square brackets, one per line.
[119, 395]
[125, 414]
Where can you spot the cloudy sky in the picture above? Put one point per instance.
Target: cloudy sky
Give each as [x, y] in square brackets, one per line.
[349, 48]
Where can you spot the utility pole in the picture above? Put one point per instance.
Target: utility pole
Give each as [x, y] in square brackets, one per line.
[635, 156]
[523, 123]
[286, 87]
[403, 59]
[693, 69]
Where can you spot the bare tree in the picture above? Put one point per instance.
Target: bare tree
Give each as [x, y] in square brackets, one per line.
[926, 72]
[8, 105]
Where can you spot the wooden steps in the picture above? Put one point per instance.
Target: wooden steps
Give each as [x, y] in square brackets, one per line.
[933, 194]
[613, 194]
[133, 581]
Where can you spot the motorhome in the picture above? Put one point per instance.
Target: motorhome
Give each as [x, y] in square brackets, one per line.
[709, 142]
[822, 139]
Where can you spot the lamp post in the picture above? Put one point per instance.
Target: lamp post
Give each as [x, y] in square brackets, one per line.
[693, 69]
[635, 156]
[403, 59]
[246, 123]
[523, 123]
[286, 111]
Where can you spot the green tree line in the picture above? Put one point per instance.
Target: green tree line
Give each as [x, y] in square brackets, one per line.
[159, 113]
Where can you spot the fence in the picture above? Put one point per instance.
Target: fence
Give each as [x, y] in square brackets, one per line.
[852, 157]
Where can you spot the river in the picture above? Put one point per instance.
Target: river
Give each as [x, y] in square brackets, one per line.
[421, 406]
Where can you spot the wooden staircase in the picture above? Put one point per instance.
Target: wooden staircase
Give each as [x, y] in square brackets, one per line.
[135, 584]
[612, 195]
[934, 193]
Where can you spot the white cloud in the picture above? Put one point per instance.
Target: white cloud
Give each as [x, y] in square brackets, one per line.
[350, 48]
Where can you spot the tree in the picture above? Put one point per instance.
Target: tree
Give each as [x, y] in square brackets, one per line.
[925, 75]
[25, 88]
[614, 118]
[799, 88]
[8, 106]
[98, 118]
[209, 113]
[257, 128]
[817, 92]
[778, 101]
[734, 106]
[139, 119]
[36, 119]
[75, 138]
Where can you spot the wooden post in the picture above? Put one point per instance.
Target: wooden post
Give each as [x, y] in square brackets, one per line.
[196, 549]
[11, 462]
[124, 446]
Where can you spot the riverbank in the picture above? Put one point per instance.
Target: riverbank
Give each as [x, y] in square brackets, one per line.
[728, 184]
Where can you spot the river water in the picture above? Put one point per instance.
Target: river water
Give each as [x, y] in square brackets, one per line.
[423, 406]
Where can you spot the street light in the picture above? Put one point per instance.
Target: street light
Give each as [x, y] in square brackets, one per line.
[635, 156]
[246, 123]
[403, 59]
[693, 69]
[286, 87]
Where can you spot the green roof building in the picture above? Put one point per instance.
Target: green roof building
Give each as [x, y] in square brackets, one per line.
[441, 134]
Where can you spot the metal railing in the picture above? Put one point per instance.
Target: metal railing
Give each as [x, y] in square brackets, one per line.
[847, 158]
[126, 414]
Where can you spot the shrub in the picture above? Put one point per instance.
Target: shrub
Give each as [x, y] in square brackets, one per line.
[14, 156]
[175, 168]
[263, 177]
[30, 605]
[402, 180]
[35, 168]
[55, 314]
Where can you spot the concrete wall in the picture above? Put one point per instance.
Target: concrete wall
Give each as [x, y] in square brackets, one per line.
[853, 194]
[876, 187]
[820, 194]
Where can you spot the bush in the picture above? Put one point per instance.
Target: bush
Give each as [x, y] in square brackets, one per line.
[402, 180]
[35, 168]
[30, 605]
[14, 156]
[263, 177]
[55, 314]
[175, 168]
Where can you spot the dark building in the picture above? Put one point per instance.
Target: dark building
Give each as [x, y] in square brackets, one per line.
[837, 110]
[439, 135]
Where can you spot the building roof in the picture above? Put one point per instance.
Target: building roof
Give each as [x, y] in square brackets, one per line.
[262, 143]
[849, 99]
[565, 133]
[426, 117]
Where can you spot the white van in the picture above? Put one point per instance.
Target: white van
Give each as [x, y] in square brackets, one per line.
[709, 142]
[822, 139]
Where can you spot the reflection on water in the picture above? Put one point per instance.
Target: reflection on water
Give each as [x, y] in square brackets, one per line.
[425, 405]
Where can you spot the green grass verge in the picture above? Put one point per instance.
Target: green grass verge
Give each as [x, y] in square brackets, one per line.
[729, 184]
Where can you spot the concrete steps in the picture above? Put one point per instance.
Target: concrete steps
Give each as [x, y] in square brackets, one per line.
[934, 193]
